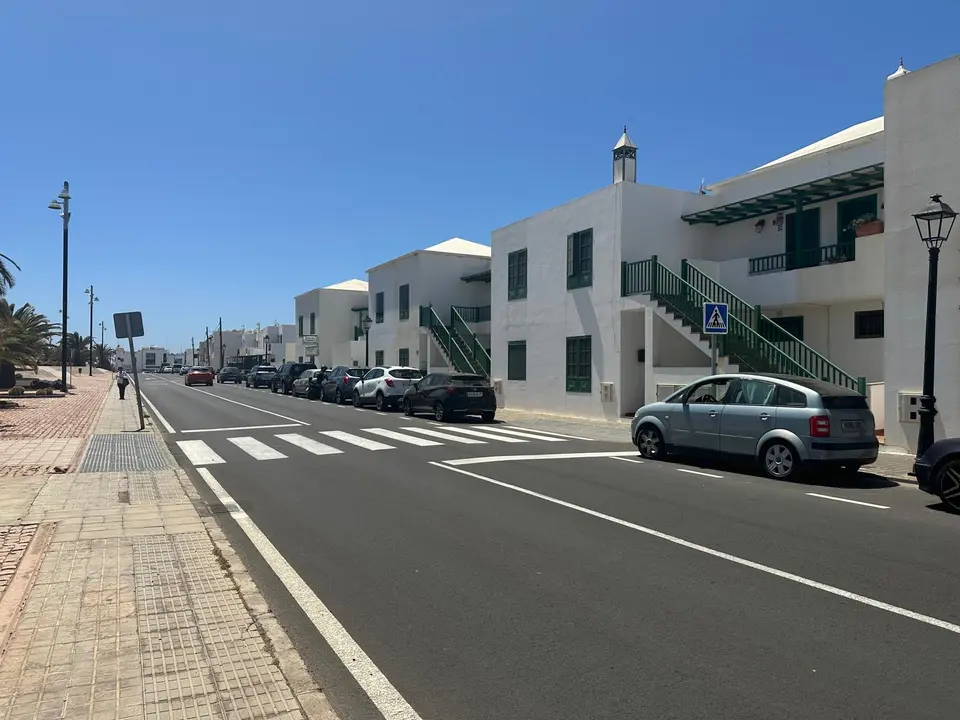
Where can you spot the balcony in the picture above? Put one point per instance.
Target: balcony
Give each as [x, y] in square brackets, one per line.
[814, 257]
[474, 314]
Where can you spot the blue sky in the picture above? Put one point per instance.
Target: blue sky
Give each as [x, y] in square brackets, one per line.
[224, 157]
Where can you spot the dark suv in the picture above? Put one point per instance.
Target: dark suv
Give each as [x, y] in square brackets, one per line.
[283, 381]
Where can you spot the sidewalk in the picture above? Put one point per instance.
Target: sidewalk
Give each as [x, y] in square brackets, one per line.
[119, 599]
[890, 464]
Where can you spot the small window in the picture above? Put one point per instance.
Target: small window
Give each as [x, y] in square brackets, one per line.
[517, 360]
[403, 357]
[378, 357]
[754, 392]
[405, 374]
[844, 402]
[788, 397]
[580, 259]
[868, 324]
[404, 302]
[579, 364]
[300, 326]
[313, 323]
[712, 392]
[378, 307]
[793, 324]
[517, 275]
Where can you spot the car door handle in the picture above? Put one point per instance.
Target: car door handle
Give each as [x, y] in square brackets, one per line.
[713, 413]
[764, 416]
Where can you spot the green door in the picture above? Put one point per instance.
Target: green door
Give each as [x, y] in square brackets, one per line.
[805, 251]
[847, 212]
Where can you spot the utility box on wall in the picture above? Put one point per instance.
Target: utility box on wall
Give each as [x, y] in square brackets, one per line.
[908, 407]
[606, 392]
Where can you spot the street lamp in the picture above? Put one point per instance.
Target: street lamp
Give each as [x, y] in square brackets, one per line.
[365, 326]
[103, 329]
[934, 224]
[93, 299]
[64, 210]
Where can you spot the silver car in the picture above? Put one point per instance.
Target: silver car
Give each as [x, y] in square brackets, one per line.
[781, 421]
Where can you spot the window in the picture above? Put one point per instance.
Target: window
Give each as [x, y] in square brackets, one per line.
[300, 326]
[403, 374]
[578, 364]
[580, 259]
[788, 397]
[404, 302]
[754, 392]
[313, 323]
[711, 392]
[517, 360]
[793, 324]
[403, 357]
[378, 308]
[517, 275]
[849, 211]
[378, 357]
[868, 324]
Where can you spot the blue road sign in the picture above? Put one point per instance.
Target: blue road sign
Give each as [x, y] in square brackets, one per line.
[715, 318]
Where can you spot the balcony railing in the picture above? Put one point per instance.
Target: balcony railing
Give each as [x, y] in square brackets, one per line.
[473, 314]
[812, 257]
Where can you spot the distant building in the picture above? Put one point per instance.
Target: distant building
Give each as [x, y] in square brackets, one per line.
[333, 313]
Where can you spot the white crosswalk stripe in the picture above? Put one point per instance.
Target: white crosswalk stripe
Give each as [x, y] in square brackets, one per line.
[352, 439]
[309, 444]
[400, 437]
[486, 436]
[199, 453]
[522, 434]
[256, 449]
[444, 436]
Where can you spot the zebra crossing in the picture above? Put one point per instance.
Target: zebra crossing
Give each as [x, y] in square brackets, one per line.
[373, 439]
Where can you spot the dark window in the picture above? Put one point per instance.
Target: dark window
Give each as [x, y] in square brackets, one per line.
[378, 307]
[788, 397]
[803, 248]
[313, 323]
[517, 275]
[517, 360]
[378, 357]
[469, 380]
[845, 402]
[403, 374]
[403, 357]
[850, 214]
[793, 324]
[580, 259]
[578, 364]
[404, 302]
[300, 326]
[754, 392]
[868, 324]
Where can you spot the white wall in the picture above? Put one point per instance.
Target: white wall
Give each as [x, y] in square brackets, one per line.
[651, 225]
[922, 158]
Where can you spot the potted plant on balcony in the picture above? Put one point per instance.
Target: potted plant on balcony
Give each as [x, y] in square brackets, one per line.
[868, 224]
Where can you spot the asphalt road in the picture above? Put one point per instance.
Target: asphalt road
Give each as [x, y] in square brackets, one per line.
[490, 580]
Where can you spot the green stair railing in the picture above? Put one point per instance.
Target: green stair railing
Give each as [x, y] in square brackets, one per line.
[445, 339]
[472, 346]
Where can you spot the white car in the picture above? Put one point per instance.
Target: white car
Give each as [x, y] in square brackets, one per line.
[384, 386]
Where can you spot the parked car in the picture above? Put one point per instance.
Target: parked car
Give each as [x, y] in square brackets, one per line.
[229, 375]
[308, 384]
[449, 395]
[384, 386]
[176, 369]
[282, 381]
[339, 382]
[199, 376]
[185, 369]
[782, 422]
[260, 376]
[938, 472]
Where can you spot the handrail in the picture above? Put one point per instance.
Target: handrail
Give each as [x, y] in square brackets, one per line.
[474, 313]
[810, 257]
[476, 348]
[635, 277]
[445, 338]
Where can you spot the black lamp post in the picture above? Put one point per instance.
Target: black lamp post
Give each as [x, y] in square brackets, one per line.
[64, 209]
[365, 326]
[934, 224]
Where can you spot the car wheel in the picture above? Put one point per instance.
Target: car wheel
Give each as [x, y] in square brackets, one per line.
[439, 412]
[407, 408]
[381, 405]
[273, 387]
[779, 460]
[947, 480]
[356, 399]
[649, 442]
[338, 398]
[487, 416]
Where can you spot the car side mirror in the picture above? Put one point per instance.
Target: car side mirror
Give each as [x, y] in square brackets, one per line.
[416, 386]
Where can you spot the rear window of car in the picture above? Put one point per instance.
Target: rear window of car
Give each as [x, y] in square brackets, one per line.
[356, 372]
[406, 374]
[844, 402]
[467, 380]
[266, 368]
[200, 370]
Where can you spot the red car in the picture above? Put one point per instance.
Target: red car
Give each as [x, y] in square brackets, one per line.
[199, 376]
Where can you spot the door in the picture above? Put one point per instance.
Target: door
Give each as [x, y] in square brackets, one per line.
[330, 383]
[747, 416]
[418, 397]
[699, 420]
[803, 248]
[368, 386]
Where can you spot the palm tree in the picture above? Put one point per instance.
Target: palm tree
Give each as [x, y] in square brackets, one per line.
[6, 275]
[24, 334]
[103, 355]
[78, 349]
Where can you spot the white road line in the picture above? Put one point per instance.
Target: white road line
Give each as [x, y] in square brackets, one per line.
[309, 444]
[629, 460]
[409, 439]
[445, 436]
[698, 472]
[555, 434]
[384, 696]
[256, 449]
[852, 502]
[249, 407]
[363, 442]
[548, 456]
[528, 435]
[799, 579]
[245, 427]
[199, 453]
[485, 436]
[158, 416]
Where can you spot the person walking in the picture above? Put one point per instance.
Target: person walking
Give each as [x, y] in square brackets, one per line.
[122, 381]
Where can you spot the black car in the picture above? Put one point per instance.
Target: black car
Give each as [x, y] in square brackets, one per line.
[447, 395]
[339, 383]
[260, 375]
[938, 472]
[309, 383]
[282, 382]
[229, 374]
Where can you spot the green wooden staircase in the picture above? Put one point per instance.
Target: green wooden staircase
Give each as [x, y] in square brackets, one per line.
[753, 341]
[460, 346]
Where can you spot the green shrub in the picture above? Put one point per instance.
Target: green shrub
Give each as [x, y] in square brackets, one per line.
[16, 391]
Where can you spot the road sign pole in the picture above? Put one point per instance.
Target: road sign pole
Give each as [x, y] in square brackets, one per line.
[713, 355]
[136, 377]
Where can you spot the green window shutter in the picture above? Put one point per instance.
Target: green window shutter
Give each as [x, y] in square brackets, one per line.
[571, 239]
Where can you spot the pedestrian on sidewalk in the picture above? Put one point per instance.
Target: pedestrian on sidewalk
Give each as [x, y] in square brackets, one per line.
[122, 381]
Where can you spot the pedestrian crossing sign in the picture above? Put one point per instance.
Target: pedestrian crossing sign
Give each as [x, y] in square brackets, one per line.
[715, 318]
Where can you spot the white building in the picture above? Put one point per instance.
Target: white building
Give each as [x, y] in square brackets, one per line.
[599, 329]
[150, 356]
[431, 308]
[333, 313]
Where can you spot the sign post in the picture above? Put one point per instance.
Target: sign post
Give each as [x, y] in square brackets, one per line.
[311, 344]
[130, 325]
[715, 316]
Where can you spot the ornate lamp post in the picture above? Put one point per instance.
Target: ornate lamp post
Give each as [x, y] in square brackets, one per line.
[365, 326]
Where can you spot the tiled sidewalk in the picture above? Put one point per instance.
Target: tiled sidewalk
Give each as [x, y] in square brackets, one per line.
[119, 599]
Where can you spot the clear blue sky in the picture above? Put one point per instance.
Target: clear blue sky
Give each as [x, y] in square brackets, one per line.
[225, 156]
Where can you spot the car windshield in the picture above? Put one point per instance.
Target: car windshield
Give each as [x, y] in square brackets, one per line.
[406, 374]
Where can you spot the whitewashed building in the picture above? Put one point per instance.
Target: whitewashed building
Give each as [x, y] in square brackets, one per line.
[431, 308]
[151, 356]
[333, 313]
[596, 303]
